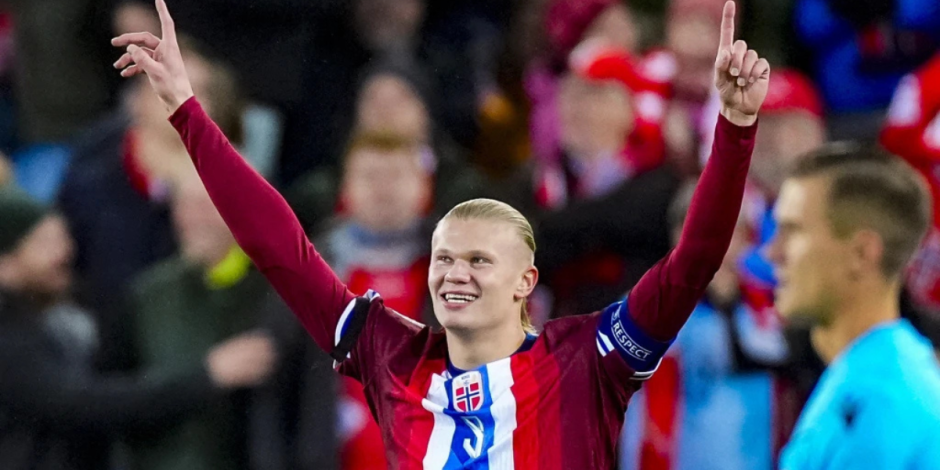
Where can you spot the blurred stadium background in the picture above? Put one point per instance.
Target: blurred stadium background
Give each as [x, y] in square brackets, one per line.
[375, 116]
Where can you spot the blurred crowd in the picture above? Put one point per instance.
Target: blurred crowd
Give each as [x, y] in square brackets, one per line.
[135, 334]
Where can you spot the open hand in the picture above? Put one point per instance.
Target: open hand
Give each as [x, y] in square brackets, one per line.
[159, 59]
[741, 76]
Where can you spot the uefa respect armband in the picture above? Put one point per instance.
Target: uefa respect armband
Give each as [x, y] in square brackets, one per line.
[616, 331]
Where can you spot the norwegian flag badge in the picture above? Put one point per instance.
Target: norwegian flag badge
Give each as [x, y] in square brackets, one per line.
[468, 392]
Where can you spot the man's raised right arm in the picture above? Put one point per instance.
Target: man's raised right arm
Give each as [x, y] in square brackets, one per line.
[264, 225]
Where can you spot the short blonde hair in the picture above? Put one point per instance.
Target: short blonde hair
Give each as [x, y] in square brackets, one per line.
[490, 209]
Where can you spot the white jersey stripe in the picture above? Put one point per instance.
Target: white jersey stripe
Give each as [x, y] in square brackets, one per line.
[500, 455]
[343, 319]
[606, 340]
[443, 432]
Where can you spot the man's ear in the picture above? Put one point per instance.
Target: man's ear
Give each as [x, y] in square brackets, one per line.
[527, 283]
[866, 253]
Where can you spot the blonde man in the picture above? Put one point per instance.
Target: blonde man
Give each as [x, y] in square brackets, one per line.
[485, 392]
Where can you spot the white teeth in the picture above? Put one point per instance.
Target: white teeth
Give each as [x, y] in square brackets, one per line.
[459, 298]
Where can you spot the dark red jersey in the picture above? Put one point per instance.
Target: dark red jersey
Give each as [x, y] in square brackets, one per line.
[557, 403]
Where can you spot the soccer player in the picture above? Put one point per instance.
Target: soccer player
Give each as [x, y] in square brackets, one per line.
[485, 392]
[848, 221]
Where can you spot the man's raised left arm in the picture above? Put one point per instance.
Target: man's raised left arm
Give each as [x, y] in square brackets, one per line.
[661, 302]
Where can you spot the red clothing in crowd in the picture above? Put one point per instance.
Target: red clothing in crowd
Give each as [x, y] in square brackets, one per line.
[912, 131]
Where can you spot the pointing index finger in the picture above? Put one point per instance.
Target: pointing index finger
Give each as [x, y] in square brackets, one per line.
[168, 30]
[727, 26]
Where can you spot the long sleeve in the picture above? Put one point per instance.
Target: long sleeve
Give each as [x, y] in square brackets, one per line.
[264, 226]
[665, 296]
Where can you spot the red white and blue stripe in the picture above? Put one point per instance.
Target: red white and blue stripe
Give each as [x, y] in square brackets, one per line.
[474, 418]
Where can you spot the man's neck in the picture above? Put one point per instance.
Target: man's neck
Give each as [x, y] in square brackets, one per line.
[854, 317]
[469, 351]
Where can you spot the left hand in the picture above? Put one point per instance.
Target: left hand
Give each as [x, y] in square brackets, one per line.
[741, 76]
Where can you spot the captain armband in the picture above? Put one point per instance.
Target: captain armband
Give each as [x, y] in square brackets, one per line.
[617, 332]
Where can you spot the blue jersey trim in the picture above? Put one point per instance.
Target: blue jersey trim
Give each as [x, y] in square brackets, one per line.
[526, 345]
[616, 331]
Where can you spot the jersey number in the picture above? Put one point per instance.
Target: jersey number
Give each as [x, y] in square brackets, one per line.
[474, 447]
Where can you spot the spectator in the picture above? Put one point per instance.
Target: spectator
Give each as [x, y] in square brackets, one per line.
[381, 242]
[605, 199]
[394, 97]
[861, 51]
[183, 305]
[912, 131]
[503, 143]
[609, 127]
[63, 80]
[570, 22]
[292, 417]
[689, 25]
[794, 126]
[114, 196]
[132, 16]
[260, 42]
[687, 61]
[567, 24]
[454, 49]
[791, 125]
[54, 411]
[712, 403]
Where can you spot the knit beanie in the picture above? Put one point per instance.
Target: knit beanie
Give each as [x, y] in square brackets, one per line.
[19, 214]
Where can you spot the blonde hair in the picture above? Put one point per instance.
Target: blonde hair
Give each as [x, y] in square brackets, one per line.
[490, 209]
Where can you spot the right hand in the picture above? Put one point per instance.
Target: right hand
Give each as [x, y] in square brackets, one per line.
[159, 58]
[244, 361]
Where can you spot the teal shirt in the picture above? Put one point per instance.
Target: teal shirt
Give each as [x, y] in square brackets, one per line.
[877, 406]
